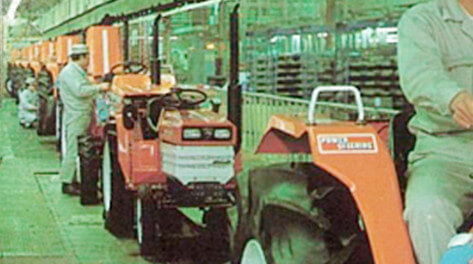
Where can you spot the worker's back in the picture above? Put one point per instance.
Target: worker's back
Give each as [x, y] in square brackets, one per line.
[70, 79]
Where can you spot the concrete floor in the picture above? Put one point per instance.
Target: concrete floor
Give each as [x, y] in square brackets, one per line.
[38, 224]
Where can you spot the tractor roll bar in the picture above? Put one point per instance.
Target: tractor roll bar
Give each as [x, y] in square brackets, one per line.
[320, 89]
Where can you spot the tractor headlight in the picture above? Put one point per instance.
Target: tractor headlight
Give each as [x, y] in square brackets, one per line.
[192, 133]
[222, 133]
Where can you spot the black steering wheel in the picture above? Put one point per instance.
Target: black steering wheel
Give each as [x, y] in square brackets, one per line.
[178, 98]
[184, 98]
[128, 67]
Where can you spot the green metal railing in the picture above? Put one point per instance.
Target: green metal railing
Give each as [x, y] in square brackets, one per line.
[258, 108]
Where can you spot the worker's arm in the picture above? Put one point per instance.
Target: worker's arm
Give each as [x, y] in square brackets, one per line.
[424, 78]
[82, 87]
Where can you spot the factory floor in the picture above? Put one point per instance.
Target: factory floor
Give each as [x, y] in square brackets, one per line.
[38, 224]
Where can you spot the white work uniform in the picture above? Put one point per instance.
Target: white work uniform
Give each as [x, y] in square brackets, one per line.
[435, 54]
[77, 95]
[27, 106]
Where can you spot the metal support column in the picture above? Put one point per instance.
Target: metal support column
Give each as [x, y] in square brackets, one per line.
[126, 40]
[234, 89]
[155, 60]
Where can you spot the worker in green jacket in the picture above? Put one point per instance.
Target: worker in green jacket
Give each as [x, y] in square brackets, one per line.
[435, 55]
[77, 95]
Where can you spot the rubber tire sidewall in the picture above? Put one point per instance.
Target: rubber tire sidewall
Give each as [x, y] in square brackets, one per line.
[106, 177]
[146, 229]
[120, 218]
[253, 253]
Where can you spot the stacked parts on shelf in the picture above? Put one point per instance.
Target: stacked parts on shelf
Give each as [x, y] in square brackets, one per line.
[296, 75]
[288, 74]
[378, 79]
[263, 70]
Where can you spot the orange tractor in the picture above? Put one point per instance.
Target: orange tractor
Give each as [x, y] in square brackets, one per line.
[54, 56]
[105, 50]
[46, 77]
[164, 152]
[13, 72]
[343, 206]
[19, 70]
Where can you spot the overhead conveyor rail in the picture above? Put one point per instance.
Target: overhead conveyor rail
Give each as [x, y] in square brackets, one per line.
[109, 12]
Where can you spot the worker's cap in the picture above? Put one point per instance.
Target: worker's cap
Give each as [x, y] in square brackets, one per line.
[78, 49]
[30, 80]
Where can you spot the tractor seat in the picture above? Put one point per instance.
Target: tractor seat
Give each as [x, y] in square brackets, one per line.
[403, 143]
[131, 84]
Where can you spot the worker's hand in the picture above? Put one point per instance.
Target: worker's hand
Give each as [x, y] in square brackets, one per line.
[462, 109]
[104, 87]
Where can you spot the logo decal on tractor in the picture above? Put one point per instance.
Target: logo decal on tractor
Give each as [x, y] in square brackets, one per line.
[347, 144]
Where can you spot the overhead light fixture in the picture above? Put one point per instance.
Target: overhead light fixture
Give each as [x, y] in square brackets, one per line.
[12, 9]
[322, 34]
[210, 46]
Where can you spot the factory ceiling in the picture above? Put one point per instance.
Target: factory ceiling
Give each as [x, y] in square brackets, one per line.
[31, 9]
[256, 14]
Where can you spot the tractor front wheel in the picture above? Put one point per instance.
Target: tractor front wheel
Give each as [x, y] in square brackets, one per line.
[146, 227]
[118, 201]
[253, 253]
[218, 234]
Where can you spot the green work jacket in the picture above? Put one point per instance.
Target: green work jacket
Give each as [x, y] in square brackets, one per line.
[77, 93]
[435, 57]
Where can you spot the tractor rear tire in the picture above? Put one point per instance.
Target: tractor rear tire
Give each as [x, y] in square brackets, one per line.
[119, 209]
[10, 88]
[41, 112]
[89, 159]
[288, 238]
[253, 253]
[46, 116]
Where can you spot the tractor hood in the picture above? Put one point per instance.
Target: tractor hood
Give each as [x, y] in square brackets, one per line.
[126, 85]
[175, 125]
[355, 155]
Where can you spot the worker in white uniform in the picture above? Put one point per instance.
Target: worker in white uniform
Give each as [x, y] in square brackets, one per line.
[77, 95]
[436, 67]
[28, 104]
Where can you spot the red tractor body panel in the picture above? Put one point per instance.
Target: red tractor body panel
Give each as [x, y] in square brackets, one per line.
[139, 158]
[358, 157]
